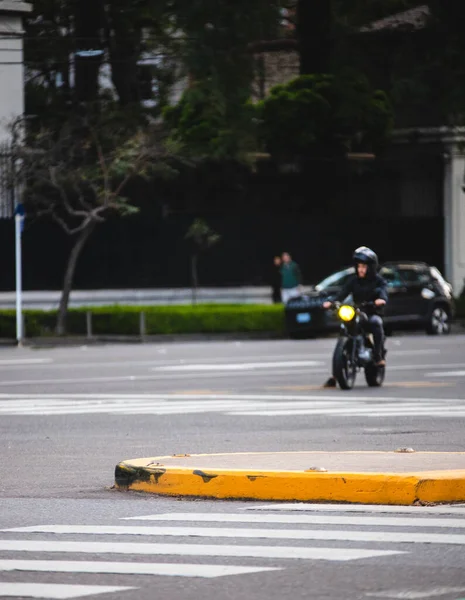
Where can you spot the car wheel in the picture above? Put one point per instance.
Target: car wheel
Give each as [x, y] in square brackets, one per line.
[439, 322]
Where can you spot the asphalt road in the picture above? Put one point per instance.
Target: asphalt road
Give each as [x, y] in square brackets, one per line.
[68, 415]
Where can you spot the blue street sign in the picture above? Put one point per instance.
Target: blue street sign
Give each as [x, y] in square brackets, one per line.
[19, 211]
[88, 53]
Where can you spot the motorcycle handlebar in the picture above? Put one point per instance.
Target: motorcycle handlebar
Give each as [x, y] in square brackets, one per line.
[361, 305]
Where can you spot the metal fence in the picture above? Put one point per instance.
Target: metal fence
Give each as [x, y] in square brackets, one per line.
[6, 182]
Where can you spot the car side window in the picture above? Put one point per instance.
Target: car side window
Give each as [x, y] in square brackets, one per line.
[415, 276]
[391, 277]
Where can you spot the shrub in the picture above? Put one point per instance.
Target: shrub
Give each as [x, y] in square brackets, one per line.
[124, 320]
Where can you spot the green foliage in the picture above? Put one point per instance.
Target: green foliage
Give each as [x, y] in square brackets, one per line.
[214, 118]
[324, 115]
[80, 171]
[202, 235]
[124, 320]
[208, 124]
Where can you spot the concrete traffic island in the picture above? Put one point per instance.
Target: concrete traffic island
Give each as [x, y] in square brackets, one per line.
[400, 477]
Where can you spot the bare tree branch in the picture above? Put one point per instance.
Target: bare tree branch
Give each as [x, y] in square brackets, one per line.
[101, 159]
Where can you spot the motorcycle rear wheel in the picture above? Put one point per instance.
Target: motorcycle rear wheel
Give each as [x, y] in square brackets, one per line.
[343, 371]
[375, 375]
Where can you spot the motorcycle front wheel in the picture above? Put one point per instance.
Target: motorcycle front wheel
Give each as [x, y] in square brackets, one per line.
[343, 368]
[374, 375]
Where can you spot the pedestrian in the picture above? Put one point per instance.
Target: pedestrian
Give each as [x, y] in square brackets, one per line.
[291, 278]
[276, 280]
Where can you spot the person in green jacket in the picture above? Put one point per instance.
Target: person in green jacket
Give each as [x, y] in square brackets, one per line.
[291, 278]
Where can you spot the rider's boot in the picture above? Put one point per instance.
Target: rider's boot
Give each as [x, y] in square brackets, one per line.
[379, 358]
[330, 383]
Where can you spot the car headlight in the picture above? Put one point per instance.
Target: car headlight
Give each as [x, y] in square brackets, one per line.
[346, 312]
[427, 294]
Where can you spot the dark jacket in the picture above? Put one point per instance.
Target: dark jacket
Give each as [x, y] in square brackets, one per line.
[365, 290]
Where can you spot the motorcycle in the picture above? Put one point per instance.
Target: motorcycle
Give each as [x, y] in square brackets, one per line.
[355, 349]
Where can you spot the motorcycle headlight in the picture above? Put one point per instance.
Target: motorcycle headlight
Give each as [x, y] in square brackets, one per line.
[346, 313]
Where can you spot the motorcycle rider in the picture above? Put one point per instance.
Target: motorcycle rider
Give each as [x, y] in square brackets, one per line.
[366, 286]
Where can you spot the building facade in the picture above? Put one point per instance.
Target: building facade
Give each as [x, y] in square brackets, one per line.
[11, 63]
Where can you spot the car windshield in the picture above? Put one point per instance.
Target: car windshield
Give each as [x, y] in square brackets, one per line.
[335, 280]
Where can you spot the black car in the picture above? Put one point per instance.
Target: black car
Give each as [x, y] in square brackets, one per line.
[419, 297]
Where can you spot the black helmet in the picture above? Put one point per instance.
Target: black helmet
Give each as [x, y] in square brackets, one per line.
[366, 256]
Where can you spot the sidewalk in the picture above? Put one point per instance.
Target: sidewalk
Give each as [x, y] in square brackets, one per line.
[402, 477]
[50, 299]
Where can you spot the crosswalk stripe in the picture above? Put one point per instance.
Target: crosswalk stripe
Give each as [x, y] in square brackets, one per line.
[124, 409]
[209, 396]
[236, 408]
[130, 568]
[4, 398]
[136, 402]
[282, 552]
[443, 412]
[410, 594]
[51, 404]
[302, 520]
[357, 409]
[451, 509]
[223, 532]
[55, 591]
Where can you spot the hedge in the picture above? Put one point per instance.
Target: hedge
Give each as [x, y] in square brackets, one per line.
[125, 320]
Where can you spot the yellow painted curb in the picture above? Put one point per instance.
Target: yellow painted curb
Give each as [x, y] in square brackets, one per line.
[362, 488]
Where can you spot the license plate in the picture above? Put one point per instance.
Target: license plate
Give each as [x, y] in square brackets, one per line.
[303, 318]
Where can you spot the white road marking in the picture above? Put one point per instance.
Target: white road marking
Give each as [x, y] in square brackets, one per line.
[55, 591]
[343, 399]
[160, 377]
[273, 534]
[239, 366]
[276, 371]
[233, 408]
[270, 405]
[451, 509]
[24, 361]
[446, 374]
[302, 520]
[284, 552]
[422, 367]
[130, 568]
[374, 411]
[117, 364]
[416, 595]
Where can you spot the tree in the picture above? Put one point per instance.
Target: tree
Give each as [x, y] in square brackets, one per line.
[202, 238]
[213, 117]
[78, 176]
[324, 117]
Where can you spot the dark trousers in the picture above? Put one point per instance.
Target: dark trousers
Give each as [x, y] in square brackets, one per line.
[374, 325]
[276, 294]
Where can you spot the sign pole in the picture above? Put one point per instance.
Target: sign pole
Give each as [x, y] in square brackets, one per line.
[19, 217]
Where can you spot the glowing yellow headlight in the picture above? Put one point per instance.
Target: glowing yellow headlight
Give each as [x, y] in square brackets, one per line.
[346, 313]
